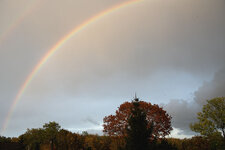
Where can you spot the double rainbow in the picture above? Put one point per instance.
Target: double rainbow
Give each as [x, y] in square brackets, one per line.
[19, 20]
[54, 49]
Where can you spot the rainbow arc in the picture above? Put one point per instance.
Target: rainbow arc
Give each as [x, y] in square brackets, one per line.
[55, 48]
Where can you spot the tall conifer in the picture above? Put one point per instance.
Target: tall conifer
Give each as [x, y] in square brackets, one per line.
[138, 133]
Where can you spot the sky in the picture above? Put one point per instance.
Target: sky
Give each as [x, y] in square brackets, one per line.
[170, 52]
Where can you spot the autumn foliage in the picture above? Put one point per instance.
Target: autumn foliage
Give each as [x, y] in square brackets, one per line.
[115, 125]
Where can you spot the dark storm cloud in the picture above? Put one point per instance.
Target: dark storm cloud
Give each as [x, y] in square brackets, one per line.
[214, 88]
[184, 112]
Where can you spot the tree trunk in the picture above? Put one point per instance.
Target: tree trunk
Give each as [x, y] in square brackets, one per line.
[52, 145]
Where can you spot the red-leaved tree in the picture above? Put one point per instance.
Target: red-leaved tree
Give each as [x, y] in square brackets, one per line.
[115, 125]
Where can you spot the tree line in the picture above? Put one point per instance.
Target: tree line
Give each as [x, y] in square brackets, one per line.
[136, 125]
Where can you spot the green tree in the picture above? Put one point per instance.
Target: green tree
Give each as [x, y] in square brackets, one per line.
[62, 140]
[5, 139]
[138, 133]
[51, 130]
[212, 118]
[67, 140]
[32, 139]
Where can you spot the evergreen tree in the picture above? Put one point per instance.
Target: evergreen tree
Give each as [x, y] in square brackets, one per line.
[138, 133]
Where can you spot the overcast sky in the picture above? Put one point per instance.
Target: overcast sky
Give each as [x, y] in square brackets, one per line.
[171, 52]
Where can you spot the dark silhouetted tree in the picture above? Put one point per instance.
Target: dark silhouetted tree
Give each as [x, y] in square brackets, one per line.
[138, 132]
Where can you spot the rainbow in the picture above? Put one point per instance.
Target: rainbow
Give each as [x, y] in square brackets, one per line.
[19, 20]
[56, 47]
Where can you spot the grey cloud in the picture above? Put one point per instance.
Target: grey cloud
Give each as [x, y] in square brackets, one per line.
[214, 88]
[121, 51]
[92, 121]
[183, 113]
